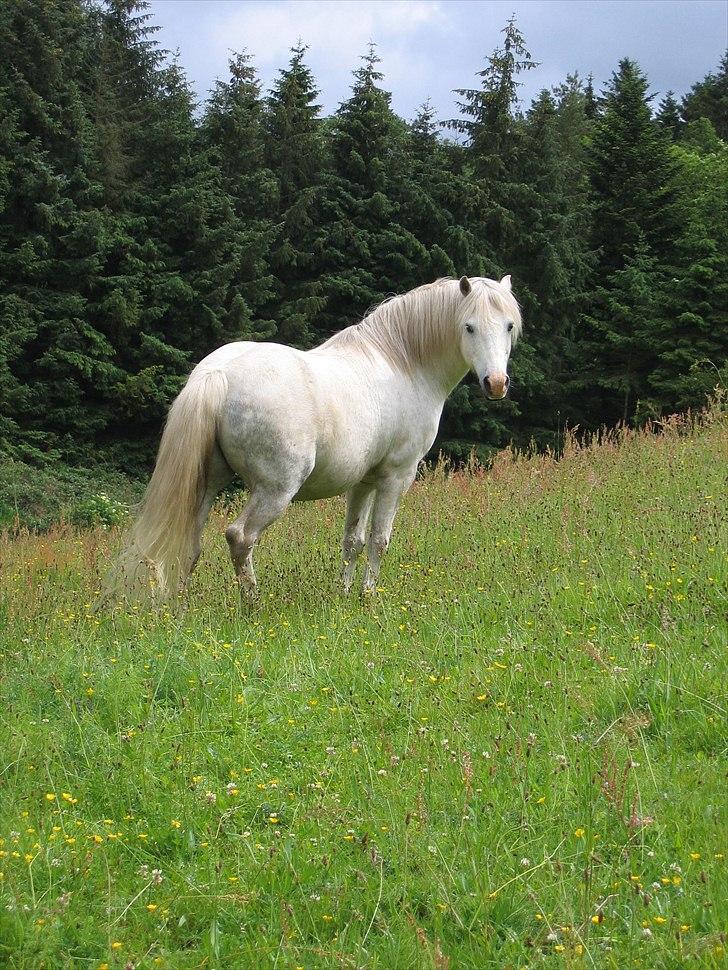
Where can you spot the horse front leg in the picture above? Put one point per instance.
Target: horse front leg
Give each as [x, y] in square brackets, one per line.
[359, 502]
[389, 492]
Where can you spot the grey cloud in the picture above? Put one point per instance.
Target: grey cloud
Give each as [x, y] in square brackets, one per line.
[676, 43]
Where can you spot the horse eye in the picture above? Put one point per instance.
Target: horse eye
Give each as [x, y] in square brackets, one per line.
[470, 328]
[510, 327]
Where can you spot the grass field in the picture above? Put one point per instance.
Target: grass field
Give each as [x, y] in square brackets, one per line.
[513, 755]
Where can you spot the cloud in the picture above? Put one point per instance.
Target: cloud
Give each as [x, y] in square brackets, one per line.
[429, 47]
[337, 33]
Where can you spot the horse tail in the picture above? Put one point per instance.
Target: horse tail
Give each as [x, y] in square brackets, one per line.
[162, 545]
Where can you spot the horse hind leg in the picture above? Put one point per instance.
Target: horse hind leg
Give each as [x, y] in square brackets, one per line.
[262, 509]
[219, 474]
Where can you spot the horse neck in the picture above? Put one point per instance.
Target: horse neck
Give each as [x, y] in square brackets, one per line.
[446, 373]
[445, 369]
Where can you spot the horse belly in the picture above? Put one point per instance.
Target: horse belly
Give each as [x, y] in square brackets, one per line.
[333, 475]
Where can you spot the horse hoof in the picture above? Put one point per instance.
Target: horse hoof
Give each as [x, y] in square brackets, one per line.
[249, 594]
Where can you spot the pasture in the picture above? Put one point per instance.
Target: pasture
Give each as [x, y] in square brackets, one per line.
[511, 755]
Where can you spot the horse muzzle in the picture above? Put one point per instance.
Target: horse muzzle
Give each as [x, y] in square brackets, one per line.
[495, 385]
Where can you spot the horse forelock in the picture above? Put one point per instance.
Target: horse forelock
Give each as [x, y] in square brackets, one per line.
[415, 327]
[498, 298]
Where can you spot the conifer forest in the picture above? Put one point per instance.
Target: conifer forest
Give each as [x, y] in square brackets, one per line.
[139, 230]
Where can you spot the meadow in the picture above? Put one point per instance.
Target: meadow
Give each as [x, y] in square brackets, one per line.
[513, 755]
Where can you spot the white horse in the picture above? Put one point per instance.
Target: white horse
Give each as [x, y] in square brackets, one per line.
[355, 415]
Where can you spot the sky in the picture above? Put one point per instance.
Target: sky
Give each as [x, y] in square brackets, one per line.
[430, 47]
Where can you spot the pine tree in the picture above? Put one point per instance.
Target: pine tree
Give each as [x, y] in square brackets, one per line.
[424, 211]
[709, 99]
[436, 200]
[574, 123]
[700, 135]
[119, 88]
[491, 126]
[551, 257]
[202, 238]
[54, 364]
[624, 312]
[633, 177]
[638, 221]
[368, 254]
[233, 131]
[690, 342]
[295, 153]
[669, 116]
[490, 121]
[591, 105]
[177, 273]
[124, 95]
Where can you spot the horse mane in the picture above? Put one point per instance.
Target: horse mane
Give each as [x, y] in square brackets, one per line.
[417, 326]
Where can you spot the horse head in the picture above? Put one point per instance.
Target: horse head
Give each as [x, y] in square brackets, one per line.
[489, 323]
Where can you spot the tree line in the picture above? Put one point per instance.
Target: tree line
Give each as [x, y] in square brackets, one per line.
[139, 230]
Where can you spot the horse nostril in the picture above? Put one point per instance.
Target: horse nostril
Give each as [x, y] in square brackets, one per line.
[508, 382]
[495, 385]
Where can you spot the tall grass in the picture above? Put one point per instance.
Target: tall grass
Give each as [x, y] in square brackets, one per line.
[511, 756]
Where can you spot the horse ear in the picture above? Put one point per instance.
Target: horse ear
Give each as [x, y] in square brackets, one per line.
[506, 281]
[465, 286]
